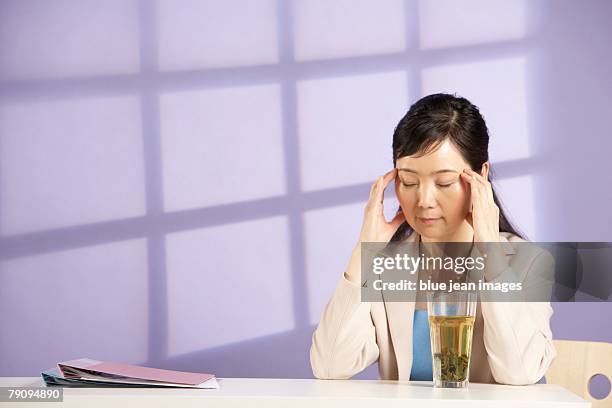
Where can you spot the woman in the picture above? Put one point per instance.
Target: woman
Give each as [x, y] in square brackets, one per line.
[441, 174]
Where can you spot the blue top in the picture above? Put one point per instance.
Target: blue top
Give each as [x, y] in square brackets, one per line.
[421, 348]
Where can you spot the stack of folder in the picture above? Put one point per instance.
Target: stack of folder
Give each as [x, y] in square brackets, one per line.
[85, 372]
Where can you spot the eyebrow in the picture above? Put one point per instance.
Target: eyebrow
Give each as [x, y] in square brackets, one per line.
[434, 172]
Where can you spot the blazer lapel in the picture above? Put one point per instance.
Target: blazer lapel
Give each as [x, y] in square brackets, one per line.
[400, 315]
[506, 247]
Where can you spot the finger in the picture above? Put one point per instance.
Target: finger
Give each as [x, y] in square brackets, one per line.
[478, 177]
[374, 191]
[475, 190]
[373, 188]
[469, 178]
[470, 219]
[376, 183]
[486, 184]
[490, 191]
[390, 175]
[480, 183]
[386, 179]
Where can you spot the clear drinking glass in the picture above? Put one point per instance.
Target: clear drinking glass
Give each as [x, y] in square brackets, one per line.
[451, 325]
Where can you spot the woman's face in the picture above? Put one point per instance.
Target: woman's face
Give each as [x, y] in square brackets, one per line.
[434, 199]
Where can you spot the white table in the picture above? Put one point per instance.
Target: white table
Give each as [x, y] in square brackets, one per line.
[263, 392]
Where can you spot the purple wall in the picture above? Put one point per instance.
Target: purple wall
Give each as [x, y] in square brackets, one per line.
[181, 184]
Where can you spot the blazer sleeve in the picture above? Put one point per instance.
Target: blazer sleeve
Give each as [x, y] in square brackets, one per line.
[517, 335]
[344, 343]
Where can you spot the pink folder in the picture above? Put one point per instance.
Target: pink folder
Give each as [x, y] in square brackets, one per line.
[120, 372]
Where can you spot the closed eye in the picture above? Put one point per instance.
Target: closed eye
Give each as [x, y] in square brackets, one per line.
[441, 185]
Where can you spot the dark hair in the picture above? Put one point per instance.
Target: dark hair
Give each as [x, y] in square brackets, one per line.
[438, 117]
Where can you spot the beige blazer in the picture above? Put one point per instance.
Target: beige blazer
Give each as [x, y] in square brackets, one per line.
[512, 341]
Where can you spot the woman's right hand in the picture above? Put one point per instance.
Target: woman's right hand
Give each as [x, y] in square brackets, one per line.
[375, 227]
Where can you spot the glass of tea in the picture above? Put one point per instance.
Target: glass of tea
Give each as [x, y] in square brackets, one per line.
[451, 325]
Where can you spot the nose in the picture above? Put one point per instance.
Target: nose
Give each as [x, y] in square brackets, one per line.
[426, 196]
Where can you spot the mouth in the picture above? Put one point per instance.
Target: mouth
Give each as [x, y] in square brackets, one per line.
[429, 221]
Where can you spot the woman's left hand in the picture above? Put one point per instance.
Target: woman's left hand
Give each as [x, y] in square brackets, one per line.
[484, 217]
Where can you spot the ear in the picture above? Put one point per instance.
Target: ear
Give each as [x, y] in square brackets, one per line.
[484, 172]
